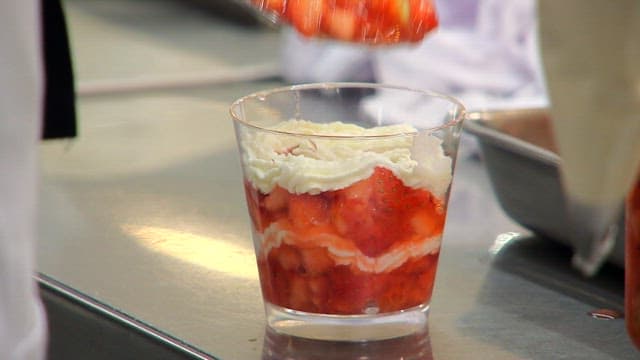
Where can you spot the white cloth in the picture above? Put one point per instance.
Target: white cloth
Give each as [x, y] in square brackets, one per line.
[22, 319]
[485, 53]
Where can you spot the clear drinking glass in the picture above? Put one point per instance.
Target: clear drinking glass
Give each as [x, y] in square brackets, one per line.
[347, 188]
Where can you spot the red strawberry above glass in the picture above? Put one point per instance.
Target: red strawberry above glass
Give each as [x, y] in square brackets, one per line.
[375, 22]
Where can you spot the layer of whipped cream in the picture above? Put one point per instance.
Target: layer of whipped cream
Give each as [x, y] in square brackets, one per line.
[342, 155]
[344, 252]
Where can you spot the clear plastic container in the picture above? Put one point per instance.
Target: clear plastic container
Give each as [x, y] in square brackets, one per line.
[373, 22]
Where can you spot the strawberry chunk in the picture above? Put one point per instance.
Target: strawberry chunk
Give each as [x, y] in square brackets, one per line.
[422, 20]
[340, 24]
[370, 212]
[276, 6]
[300, 294]
[307, 211]
[276, 200]
[306, 15]
[316, 260]
[287, 256]
[253, 204]
[410, 285]
[349, 293]
[319, 286]
[427, 223]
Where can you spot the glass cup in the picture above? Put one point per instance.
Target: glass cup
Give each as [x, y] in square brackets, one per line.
[347, 187]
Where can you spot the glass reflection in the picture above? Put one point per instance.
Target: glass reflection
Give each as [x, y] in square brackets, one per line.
[284, 347]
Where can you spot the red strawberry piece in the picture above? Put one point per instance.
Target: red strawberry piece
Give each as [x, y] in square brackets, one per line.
[389, 191]
[423, 19]
[398, 12]
[287, 257]
[276, 200]
[371, 212]
[354, 220]
[349, 293]
[394, 296]
[300, 295]
[253, 204]
[319, 286]
[409, 285]
[427, 223]
[307, 211]
[340, 24]
[306, 15]
[316, 261]
[279, 281]
[266, 280]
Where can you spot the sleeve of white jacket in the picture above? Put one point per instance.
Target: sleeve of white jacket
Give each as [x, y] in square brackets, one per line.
[484, 52]
[22, 320]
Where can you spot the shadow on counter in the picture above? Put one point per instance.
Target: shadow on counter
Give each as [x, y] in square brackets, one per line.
[531, 286]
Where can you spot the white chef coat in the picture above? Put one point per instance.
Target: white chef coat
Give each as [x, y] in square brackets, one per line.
[22, 319]
[484, 52]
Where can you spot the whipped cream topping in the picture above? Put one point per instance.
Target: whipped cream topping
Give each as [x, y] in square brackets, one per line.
[344, 252]
[307, 157]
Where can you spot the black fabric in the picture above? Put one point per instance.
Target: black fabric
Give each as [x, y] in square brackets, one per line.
[59, 107]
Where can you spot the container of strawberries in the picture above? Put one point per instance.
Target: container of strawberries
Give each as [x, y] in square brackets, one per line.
[374, 22]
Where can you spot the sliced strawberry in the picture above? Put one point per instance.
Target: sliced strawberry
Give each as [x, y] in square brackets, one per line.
[266, 280]
[394, 296]
[361, 190]
[398, 12]
[409, 285]
[307, 211]
[319, 286]
[306, 15]
[370, 214]
[356, 221]
[388, 191]
[340, 24]
[427, 223]
[287, 256]
[300, 295]
[422, 20]
[316, 261]
[349, 293]
[253, 204]
[278, 284]
[276, 200]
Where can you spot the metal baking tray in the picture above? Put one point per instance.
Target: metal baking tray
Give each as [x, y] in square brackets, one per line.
[521, 158]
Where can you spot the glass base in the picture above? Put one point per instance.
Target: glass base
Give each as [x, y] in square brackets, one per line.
[347, 327]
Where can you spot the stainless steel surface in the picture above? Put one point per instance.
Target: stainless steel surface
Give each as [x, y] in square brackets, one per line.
[145, 212]
[520, 155]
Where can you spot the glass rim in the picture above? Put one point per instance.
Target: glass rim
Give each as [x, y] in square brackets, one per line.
[456, 120]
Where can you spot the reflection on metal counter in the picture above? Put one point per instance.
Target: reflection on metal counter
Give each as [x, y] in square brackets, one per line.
[413, 347]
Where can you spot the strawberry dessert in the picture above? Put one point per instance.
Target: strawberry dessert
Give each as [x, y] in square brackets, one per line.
[364, 21]
[346, 226]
